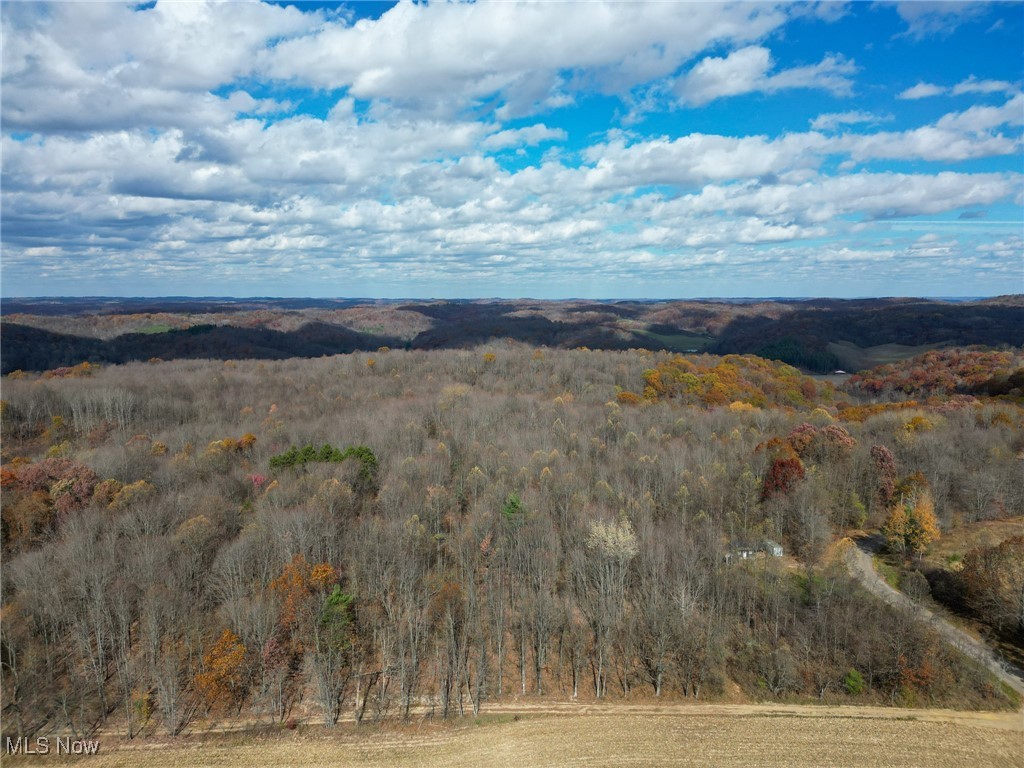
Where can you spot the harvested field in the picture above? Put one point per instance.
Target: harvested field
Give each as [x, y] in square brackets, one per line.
[853, 358]
[718, 735]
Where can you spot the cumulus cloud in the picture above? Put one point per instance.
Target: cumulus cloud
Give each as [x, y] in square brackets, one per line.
[529, 136]
[922, 91]
[974, 85]
[747, 71]
[168, 142]
[101, 66]
[833, 120]
[699, 158]
[875, 195]
[454, 54]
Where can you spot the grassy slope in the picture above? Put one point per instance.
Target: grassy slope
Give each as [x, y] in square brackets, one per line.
[854, 358]
[958, 542]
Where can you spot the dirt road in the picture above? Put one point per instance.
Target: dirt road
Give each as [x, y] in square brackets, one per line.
[858, 558]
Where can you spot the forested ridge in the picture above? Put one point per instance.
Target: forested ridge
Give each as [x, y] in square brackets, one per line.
[375, 534]
[42, 334]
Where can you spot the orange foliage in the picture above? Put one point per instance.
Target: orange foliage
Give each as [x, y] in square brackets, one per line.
[323, 576]
[297, 582]
[733, 379]
[223, 679]
[71, 372]
[628, 398]
[8, 477]
[859, 413]
[230, 445]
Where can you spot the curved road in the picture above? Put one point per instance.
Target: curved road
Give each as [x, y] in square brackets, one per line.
[858, 558]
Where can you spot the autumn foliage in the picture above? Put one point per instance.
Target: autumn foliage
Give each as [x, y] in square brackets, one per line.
[39, 496]
[946, 372]
[782, 477]
[732, 379]
[526, 527]
[912, 525]
[296, 584]
[223, 681]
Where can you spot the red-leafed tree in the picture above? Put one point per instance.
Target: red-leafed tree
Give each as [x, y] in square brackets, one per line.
[782, 477]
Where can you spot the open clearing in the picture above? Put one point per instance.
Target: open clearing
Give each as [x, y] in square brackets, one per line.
[853, 358]
[678, 342]
[956, 543]
[617, 735]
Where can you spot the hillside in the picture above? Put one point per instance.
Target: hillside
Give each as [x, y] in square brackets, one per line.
[367, 535]
[818, 335]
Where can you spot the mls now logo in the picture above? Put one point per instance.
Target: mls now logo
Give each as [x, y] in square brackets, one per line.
[41, 745]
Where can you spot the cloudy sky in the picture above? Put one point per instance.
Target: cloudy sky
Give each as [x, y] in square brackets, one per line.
[555, 149]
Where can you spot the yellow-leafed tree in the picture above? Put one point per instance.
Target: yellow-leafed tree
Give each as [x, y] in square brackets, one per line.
[912, 526]
[223, 680]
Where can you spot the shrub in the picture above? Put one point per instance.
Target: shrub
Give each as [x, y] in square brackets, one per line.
[854, 682]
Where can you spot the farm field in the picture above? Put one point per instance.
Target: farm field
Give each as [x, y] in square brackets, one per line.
[568, 735]
[680, 342]
[853, 358]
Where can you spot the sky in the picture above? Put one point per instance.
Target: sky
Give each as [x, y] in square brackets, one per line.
[504, 149]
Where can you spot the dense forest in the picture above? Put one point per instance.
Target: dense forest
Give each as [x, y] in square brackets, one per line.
[380, 533]
[819, 335]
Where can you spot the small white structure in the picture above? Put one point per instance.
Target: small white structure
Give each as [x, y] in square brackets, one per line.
[745, 551]
[772, 548]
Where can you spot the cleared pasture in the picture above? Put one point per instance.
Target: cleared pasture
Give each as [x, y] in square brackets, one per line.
[853, 358]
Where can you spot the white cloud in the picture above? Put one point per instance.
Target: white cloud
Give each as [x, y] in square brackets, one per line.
[922, 91]
[876, 196]
[529, 136]
[931, 143]
[713, 78]
[974, 85]
[448, 55]
[969, 86]
[978, 119]
[747, 71]
[698, 158]
[158, 149]
[103, 66]
[832, 120]
[924, 18]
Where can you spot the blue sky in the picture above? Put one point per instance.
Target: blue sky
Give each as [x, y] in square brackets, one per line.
[550, 150]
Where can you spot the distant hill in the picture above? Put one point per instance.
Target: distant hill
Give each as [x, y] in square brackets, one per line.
[817, 335]
[810, 336]
[34, 349]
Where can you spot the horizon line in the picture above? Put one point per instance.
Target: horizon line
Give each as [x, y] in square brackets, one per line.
[224, 297]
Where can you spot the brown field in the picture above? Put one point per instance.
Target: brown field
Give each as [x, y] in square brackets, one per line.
[957, 542]
[853, 358]
[570, 735]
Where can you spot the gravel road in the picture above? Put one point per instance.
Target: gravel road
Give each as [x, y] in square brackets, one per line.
[858, 558]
